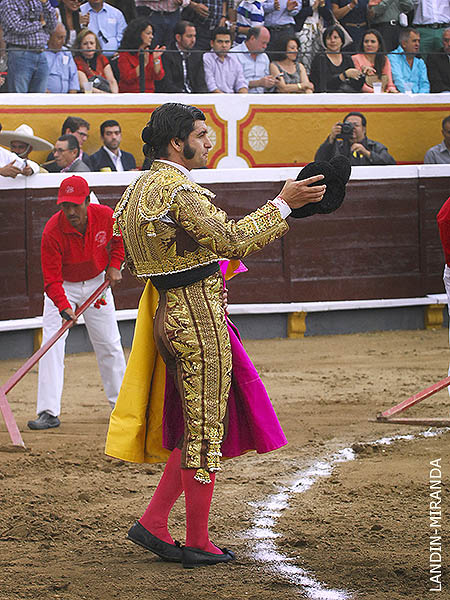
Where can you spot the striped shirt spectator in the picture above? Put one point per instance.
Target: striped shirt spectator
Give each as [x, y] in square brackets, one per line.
[250, 13]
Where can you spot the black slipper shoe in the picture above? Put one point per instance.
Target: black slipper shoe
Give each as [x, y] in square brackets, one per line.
[193, 557]
[139, 535]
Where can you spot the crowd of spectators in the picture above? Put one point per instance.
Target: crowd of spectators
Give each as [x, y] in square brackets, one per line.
[225, 46]
[217, 46]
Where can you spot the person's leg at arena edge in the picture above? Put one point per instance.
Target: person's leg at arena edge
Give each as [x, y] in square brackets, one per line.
[101, 324]
[51, 365]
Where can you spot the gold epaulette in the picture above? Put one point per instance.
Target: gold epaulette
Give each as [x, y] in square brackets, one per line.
[156, 190]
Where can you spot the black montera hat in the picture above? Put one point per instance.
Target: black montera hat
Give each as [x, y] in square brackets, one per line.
[337, 173]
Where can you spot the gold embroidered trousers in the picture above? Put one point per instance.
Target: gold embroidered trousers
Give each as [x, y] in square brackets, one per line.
[192, 337]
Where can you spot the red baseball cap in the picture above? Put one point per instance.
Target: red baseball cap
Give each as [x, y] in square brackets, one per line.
[73, 189]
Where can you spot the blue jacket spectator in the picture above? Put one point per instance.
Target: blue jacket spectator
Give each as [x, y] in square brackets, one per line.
[409, 72]
[107, 22]
[62, 71]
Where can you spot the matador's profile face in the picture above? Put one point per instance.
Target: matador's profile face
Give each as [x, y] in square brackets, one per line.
[197, 146]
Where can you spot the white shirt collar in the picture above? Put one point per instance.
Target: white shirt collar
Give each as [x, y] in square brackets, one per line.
[113, 156]
[177, 166]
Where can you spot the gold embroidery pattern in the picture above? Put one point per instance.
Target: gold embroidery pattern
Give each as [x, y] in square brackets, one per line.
[196, 330]
[150, 243]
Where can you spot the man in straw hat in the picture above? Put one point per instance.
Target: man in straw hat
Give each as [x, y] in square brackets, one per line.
[11, 164]
[22, 142]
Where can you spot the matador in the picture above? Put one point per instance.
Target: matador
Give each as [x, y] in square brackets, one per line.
[174, 236]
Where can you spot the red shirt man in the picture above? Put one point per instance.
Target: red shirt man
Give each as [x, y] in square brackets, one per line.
[69, 255]
[77, 247]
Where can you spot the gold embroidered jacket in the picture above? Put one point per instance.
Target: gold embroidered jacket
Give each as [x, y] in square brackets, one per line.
[169, 224]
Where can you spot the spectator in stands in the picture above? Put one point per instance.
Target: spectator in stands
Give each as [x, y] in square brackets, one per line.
[409, 72]
[373, 63]
[3, 61]
[69, 14]
[107, 22]
[67, 155]
[385, 18]
[290, 76]
[314, 17]
[92, 65]
[128, 8]
[279, 19]
[440, 154]
[80, 129]
[206, 15]
[223, 71]
[431, 17]
[351, 141]
[255, 62]
[62, 71]
[352, 14]
[11, 164]
[110, 157]
[183, 68]
[331, 71]
[163, 16]
[249, 14]
[438, 67]
[139, 35]
[27, 26]
[22, 142]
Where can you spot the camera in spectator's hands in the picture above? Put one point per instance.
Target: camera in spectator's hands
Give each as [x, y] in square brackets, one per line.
[346, 131]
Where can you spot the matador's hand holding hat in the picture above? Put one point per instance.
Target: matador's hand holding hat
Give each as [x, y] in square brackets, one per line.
[337, 173]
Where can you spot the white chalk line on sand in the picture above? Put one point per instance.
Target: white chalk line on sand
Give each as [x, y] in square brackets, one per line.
[269, 510]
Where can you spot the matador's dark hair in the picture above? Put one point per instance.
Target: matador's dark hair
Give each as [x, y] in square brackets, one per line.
[168, 121]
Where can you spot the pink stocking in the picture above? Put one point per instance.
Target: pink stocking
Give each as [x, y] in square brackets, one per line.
[198, 501]
[166, 494]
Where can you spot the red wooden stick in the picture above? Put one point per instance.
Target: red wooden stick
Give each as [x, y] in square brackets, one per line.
[5, 409]
[10, 421]
[415, 399]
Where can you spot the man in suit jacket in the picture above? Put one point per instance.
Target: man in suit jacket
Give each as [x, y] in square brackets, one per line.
[438, 66]
[67, 155]
[183, 68]
[80, 129]
[110, 156]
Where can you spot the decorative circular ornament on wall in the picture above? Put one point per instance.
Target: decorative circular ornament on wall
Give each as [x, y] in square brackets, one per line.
[258, 138]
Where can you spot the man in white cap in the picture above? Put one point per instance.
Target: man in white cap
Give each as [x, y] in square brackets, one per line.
[78, 252]
[11, 164]
[22, 142]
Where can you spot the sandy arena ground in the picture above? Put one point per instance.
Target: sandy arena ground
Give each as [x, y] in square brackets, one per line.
[65, 507]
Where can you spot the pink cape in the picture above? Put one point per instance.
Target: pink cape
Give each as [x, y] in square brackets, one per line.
[252, 422]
